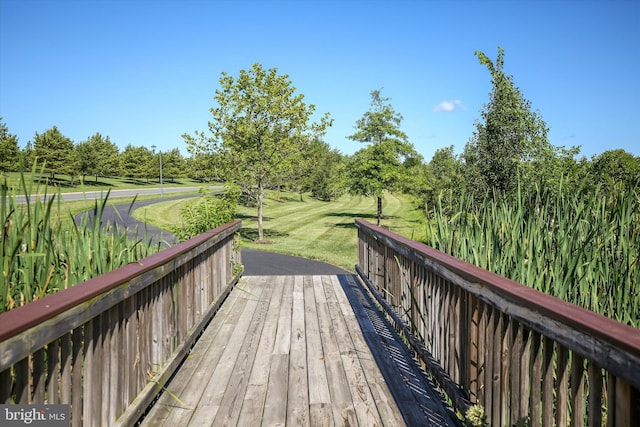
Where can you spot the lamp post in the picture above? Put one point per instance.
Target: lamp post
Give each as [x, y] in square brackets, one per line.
[153, 150]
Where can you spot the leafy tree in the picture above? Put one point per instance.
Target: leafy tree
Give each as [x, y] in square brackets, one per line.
[259, 125]
[616, 167]
[137, 162]
[56, 151]
[98, 156]
[173, 165]
[379, 166]
[204, 163]
[327, 177]
[9, 151]
[508, 134]
[444, 178]
[317, 170]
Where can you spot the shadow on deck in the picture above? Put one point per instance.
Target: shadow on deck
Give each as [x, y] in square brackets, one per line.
[299, 350]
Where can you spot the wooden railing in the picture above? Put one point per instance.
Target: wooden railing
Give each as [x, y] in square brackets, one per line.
[525, 357]
[108, 345]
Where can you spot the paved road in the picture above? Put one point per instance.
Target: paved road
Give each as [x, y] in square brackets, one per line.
[256, 263]
[92, 195]
[119, 215]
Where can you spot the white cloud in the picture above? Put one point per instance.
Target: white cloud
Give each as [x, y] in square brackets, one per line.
[449, 106]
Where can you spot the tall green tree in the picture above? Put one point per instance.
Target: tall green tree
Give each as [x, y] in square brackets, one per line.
[56, 151]
[98, 156]
[444, 179]
[173, 165]
[508, 134]
[259, 125]
[327, 175]
[380, 165]
[205, 163]
[9, 150]
[138, 162]
[615, 168]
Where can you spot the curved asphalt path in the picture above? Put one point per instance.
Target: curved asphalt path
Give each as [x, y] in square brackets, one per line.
[256, 263]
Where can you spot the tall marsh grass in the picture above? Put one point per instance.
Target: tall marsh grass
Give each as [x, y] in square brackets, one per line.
[41, 255]
[581, 247]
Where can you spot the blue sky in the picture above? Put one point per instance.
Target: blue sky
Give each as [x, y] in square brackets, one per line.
[145, 72]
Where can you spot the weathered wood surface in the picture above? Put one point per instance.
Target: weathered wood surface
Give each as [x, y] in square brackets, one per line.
[281, 350]
[520, 354]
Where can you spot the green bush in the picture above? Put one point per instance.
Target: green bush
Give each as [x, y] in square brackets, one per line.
[206, 213]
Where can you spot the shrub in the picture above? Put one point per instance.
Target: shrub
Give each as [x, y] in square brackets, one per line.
[206, 213]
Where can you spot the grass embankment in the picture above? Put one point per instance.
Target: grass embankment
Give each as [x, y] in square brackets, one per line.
[323, 231]
[66, 184]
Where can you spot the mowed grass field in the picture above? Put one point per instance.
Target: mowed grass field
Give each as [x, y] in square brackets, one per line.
[65, 184]
[314, 229]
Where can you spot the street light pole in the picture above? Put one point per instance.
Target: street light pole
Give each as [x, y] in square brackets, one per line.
[161, 190]
[153, 150]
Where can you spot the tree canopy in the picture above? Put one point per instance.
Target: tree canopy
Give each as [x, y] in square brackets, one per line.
[9, 150]
[56, 151]
[380, 165]
[98, 156]
[261, 126]
[507, 135]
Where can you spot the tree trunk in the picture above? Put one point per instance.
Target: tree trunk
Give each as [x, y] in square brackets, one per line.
[260, 199]
[379, 209]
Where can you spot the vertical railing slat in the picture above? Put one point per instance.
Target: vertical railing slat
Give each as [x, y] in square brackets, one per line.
[38, 376]
[77, 392]
[562, 385]
[66, 367]
[577, 390]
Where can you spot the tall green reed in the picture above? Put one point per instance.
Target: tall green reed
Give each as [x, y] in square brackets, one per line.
[581, 247]
[40, 255]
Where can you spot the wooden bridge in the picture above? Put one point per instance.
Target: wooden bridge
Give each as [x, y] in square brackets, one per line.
[183, 338]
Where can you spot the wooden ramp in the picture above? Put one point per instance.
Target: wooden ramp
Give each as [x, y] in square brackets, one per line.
[289, 350]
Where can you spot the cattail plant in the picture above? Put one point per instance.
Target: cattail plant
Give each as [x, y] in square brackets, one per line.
[581, 247]
[41, 255]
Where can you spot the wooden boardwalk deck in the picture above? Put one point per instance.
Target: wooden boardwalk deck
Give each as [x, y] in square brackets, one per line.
[288, 350]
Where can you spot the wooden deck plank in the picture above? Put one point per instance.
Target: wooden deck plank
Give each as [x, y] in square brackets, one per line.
[384, 402]
[169, 411]
[285, 350]
[213, 394]
[363, 401]
[319, 395]
[275, 407]
[234, 394]
[254, 401]
[298, 391]
[341, 402]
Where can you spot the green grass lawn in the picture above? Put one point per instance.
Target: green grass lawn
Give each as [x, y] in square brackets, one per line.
[313, 229]
[65, 184]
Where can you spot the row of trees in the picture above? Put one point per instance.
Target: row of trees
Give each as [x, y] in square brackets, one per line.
[97, 156]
